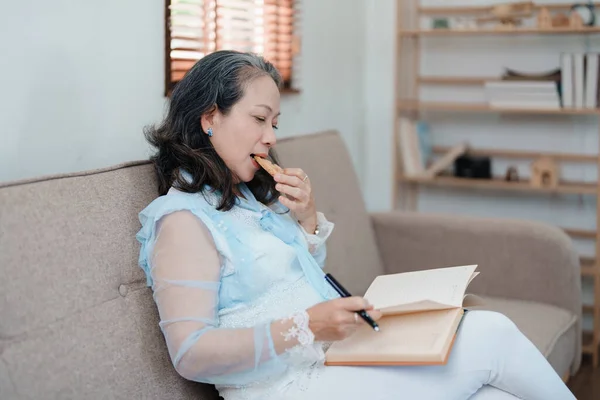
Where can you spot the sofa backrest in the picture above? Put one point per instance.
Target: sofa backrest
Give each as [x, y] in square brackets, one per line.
[76, 319]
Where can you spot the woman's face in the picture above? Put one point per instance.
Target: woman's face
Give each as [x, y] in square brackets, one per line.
[247, 129]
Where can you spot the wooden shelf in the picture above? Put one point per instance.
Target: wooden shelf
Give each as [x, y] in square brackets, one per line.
[498, 184]
[588, 308]
[581, 233]
[588, 270]
[457, 10]
[519, 154]
[456, 80]
[411, 105]
[588, 345]
[490, 32]
[588, 266]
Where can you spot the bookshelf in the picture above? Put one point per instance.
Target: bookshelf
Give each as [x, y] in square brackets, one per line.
[409, 82]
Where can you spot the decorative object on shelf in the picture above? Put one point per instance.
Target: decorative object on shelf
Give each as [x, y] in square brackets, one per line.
[544, 19]
[464, 23]
[580, 15]
[585, 11]
[561, 20]
[553, 75]
[445, 161]
[544, 173]
[512, 175]
[509, 15]
[509, 25]
[440, 23]
[469, 166]
[575, 21]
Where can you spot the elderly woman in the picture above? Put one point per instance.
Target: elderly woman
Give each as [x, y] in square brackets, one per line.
[234, 257]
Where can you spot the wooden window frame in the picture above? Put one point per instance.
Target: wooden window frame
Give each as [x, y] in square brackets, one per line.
[287, 87]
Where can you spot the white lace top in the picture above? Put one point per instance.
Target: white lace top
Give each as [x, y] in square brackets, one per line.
[232, 289]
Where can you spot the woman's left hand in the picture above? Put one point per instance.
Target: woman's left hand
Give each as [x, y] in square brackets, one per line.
[295, 184]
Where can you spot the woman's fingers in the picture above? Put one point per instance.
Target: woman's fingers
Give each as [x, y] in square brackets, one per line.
[357, 303]
[292, 191]
[287, 202]
[297, 172]
[289, 180]
[296, 195]
[353, 303]
[374, 314]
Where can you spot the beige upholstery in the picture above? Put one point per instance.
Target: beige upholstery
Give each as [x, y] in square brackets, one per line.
[77, 322]
[532, 265]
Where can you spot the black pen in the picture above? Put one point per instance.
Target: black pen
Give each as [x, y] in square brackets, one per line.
[344, 293]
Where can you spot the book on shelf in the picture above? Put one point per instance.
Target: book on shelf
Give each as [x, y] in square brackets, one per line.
[573, 85]
[522, 94]
[579, 80]
[414, 146]
[422, 311]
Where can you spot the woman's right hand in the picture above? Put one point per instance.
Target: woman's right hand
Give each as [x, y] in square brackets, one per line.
[335, 319]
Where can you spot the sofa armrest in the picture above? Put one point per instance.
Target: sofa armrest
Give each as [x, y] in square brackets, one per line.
[517, 259]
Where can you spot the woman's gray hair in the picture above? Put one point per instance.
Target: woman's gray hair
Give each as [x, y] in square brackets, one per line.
[218, 80]
[223, 76]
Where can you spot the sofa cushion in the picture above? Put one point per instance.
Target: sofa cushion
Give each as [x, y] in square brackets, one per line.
[551, 329]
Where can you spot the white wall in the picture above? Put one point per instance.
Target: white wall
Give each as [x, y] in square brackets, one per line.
[380, 101]
[333, 71]
[82, 80]
[85, 77]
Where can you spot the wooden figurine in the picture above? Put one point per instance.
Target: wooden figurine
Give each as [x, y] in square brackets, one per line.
[544, 19]
[506, 26]
[508, 15]
[575, 21]
[560, 20]
[544, 173]
[512, 175]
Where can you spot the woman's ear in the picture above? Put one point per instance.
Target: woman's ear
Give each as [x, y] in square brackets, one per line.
[208, 119]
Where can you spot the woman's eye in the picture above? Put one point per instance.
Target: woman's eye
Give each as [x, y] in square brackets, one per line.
[262, 120]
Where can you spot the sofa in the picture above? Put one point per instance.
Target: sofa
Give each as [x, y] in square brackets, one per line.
[77, 320]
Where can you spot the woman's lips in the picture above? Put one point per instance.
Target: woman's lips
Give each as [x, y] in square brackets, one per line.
[262, 155]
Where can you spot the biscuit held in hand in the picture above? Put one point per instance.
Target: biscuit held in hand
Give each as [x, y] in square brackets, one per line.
[268, 166]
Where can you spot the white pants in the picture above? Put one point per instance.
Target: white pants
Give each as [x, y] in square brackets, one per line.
[491, 360]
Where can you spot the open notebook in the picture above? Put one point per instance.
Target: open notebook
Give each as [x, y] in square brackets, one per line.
[421, 314]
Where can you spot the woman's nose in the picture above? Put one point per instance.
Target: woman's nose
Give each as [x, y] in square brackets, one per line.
[269, 138]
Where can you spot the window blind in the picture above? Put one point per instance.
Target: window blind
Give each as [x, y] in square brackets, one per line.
[194, 28]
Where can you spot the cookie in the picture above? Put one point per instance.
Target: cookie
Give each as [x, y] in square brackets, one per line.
[268, 166]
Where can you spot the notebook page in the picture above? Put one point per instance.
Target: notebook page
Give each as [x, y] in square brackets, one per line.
[443, 286]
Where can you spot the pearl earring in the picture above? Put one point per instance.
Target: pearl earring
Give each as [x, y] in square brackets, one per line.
[210, 132]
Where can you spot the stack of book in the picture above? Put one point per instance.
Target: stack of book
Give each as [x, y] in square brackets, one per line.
[573, 85]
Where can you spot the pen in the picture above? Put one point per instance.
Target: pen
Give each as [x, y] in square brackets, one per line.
[344, 293]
